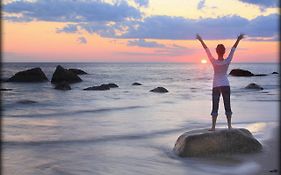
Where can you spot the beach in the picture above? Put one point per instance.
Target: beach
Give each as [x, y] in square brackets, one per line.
[269, 160]
[130, 130]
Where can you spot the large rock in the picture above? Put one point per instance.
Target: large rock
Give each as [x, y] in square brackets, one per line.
[63, 86]
[159, 90]
[254, 86]
[30, 75]
[78, 71]
[204, 142]
[241, 73]
[63, 75]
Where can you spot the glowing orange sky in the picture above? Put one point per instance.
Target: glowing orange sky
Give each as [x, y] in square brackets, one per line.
[38, 41]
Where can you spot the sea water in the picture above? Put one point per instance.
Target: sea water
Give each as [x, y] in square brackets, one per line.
[127, 130]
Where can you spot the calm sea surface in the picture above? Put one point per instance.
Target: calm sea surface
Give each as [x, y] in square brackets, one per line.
[126, 130]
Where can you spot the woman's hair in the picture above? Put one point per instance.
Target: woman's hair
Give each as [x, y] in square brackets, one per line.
[220, 49]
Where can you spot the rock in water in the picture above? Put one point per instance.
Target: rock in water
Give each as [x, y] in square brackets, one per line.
[204, 143]
[254, 86]
[26, 101]
[159, 90]
[78, 71]
[112, 85]
[5, 89]
[102, 87]
[30, 75]
[241, 73]
[64, 75]
[63, 86]
[136, 84]
[274, 72]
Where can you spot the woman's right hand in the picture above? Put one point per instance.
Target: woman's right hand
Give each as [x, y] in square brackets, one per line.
[198, 37]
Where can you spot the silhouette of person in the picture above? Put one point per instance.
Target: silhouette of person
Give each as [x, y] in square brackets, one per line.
[220, 81]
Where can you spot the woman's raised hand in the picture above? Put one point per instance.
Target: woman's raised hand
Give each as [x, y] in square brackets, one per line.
[201, 41]
[241, 36]
[198, 37]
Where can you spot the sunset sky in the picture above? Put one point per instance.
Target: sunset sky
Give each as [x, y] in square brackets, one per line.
[137, 30]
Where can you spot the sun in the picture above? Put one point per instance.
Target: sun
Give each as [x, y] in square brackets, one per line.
[203, 61]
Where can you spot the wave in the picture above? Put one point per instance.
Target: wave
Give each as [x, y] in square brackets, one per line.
[77, 112]
[107, 138]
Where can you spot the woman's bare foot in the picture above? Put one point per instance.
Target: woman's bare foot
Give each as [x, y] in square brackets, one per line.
[212, 129]
[229, 127]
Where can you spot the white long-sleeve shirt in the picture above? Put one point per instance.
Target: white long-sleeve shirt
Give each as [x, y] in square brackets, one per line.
[220, 68]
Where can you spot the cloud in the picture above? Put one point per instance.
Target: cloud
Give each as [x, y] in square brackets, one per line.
[179, 28]
[70, 10]
[69, 28]
[143, 43]
[165, 52]
[262, 3]
[272, 38]
[263, 26]
[120, 20]
[143, 3]
[161, 49]
[174, 50]
[201, 4]
[82, 40]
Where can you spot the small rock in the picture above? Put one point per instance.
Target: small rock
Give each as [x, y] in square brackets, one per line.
[102, 87]
[26, 101]
[78, 71]
[64, 75]
[254, 86]
[159, 90]
[30, 75]
[275, 73]
[221, 141]
[273, 171]
[63, 86]
[136, 84]
[4, 89]
[241, 73]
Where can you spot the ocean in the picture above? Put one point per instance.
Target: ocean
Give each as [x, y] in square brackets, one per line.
[127, 130]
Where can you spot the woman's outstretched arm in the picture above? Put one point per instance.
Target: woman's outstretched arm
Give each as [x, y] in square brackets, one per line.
[241, 36]
[211, 58]
[201, 41]
[230, 56]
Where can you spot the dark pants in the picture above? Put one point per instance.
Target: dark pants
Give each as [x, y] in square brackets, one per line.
[217, 91]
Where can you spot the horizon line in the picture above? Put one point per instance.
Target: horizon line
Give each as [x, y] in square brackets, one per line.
[118, 62]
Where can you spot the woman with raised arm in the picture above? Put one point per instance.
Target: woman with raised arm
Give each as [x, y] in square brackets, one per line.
[220, 81]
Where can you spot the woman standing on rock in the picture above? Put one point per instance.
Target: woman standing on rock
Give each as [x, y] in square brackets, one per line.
[220, 81]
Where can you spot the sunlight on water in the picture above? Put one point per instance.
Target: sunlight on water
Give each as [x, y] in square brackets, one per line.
[256, 127]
